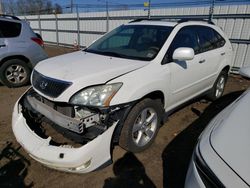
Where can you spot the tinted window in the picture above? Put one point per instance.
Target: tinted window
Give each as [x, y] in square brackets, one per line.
[209, 39]
[9, 29]
[186, 37]
[141, 42]
[220, 40]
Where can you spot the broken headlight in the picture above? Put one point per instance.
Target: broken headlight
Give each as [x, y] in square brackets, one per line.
[96, 96]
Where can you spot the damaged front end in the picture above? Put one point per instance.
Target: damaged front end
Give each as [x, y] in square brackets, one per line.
[65, 136]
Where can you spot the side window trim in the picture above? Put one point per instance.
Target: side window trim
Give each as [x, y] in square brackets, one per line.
[216, 34]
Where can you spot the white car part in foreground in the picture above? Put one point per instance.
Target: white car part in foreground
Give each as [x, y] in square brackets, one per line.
[84, 159]
[221, 157]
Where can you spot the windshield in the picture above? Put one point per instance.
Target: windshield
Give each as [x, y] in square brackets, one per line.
[142, 42]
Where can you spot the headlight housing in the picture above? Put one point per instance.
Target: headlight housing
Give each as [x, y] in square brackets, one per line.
[96, 96]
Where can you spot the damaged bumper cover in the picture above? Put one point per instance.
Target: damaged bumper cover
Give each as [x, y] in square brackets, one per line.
[92, 155]
[53, 115]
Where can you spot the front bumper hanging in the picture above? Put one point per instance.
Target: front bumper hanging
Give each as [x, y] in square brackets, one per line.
[93, 152]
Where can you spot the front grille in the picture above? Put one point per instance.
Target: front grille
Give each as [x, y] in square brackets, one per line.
[49, 86]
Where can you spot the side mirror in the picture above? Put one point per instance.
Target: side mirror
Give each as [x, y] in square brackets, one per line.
[245, 71]
[183, 54]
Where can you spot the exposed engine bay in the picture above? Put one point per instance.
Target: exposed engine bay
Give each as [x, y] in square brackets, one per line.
[79, 124]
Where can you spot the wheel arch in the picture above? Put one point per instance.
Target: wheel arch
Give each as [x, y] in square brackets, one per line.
[20, 57]
[152, 95]
[155, 95]
[226, 69]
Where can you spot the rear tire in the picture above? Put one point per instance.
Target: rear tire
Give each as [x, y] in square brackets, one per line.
[14, 73]
[141, 125]
[219, 86]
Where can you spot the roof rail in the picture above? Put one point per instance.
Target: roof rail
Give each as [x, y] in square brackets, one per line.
[179, 21]
[145, 19]
[195, 19]
[9, 16]
[137, 20]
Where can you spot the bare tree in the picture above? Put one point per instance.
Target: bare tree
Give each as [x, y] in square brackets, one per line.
[22, 7]
[33, 7]
[11, 7]
[58, 9]
[49, 8]
[1, 7]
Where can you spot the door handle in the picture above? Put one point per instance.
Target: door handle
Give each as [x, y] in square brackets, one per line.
[2, 45]
[202, 61]
[223, 53]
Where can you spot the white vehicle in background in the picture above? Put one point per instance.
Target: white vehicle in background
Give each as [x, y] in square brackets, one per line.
[222, 156]
[118, 91]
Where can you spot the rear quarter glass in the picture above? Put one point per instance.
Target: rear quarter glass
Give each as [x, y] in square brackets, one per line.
[9, 29]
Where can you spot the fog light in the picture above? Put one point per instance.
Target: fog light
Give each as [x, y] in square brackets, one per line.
[83, 166]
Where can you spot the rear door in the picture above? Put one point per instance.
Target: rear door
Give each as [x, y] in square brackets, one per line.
[9, 32]
[213, 54]
[2, 40]
[2, 43]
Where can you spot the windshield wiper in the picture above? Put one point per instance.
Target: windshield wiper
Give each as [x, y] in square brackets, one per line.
[114, 54]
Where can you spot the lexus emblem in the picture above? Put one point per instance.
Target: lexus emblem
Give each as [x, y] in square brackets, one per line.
[43, 85]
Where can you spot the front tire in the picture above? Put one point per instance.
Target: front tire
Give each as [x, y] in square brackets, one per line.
[14, 73]
[141, 125]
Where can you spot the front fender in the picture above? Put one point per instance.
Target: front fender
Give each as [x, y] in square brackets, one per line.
[142, 82]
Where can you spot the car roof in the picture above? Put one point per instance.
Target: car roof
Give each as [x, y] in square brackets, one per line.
[10, 18]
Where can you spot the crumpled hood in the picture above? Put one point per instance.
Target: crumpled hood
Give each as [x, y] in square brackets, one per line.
[86, 69]
[231, 138]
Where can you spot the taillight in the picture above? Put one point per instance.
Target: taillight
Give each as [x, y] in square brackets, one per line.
[38, 41]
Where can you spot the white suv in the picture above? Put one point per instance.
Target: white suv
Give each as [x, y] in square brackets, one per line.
[118, 90]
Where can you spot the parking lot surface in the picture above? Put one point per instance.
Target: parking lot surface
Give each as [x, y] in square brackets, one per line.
[164, 164]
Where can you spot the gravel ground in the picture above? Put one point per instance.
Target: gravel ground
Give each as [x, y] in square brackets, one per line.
[164, 164]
